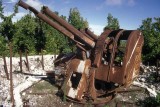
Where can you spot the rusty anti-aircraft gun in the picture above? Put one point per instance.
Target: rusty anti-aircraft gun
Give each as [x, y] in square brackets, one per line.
[101, 65]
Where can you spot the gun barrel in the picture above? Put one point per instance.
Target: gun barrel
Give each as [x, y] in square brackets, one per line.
[50, 22]
[84, 33]
[69, 27]
[22, 4]
[26, 6]
[91, 34]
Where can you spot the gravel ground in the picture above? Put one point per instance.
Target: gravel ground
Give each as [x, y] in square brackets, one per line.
[22, 80]
[44, 92]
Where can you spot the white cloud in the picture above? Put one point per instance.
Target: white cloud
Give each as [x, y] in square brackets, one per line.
[6, 13]
[120, 2]
[131, 2]
[35, 3]
[12, 1]
[97, 29]
[18, 16]
[66, 1]
[114, 2]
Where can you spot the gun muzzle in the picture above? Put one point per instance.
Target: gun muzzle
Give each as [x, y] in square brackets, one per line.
[26, 6]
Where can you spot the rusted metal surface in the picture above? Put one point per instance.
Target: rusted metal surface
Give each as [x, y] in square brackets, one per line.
[50, 22]
[84, 33]
[75, 83]
[70, 33]
[100, 65]
[69, 27]
[100, 48]
[133, 56]
[91, 34]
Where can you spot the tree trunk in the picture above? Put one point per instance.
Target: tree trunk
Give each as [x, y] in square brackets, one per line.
[157, 71]
[26, 54]
[11, 79]
[42, 59]
[54, 57]
[5, 67]
[20, 56]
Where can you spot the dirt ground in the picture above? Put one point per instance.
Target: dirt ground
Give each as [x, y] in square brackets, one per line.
[45, 93]
[38, 91]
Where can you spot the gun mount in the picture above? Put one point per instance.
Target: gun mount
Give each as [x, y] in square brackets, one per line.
[106, 63]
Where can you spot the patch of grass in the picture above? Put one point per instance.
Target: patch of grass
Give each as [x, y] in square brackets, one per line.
[43, 86]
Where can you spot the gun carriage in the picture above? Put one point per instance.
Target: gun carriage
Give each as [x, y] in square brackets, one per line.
[101, 64]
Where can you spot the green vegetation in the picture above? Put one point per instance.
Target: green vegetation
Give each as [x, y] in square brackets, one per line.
[151, 101]
[43, 86]
[151, 31]
[150, 28]
[76, 20]
[24, 34]
[3, 45]
[112, 23]
[7, 29]
[31, 34]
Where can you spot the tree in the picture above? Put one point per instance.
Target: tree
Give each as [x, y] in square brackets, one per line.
[3, 52]
[113, 23]
[40, 38]
[1, 10]
[24, 35]
[76, 20]
[24, 41]
[151, 30]
[7, 26]
[56, 42]
[7, 31]
[3, 45]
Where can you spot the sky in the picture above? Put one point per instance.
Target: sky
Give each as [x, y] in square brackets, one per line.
[129, 13]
